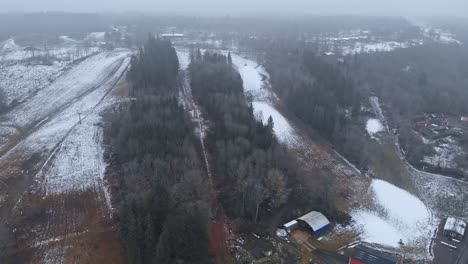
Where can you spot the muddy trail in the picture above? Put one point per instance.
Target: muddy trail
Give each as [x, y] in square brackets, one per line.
[21, 161]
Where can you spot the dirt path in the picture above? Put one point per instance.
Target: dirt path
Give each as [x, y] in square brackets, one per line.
[218, 237]
[28, 214]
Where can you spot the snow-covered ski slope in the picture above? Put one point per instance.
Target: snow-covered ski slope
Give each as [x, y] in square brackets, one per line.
[257, 87]
[397, 217]
[78, 81]
[49, 123]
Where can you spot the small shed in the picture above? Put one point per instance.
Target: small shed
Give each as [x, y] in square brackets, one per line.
[290, 226]
[314, 220]
[454, 228]
[366, 255]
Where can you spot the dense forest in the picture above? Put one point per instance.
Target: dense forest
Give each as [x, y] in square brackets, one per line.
[429, 78]
[255, 175]
[163, 214]
[248, 160]
[322, 95]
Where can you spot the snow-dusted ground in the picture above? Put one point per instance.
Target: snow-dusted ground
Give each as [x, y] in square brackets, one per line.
[397, 215]
[78, 163]
[18, 81]
[447, 150]
[22, 75]
[73, 150]
[365, 47]
[10, 52]
[362, 41]
[78, 81]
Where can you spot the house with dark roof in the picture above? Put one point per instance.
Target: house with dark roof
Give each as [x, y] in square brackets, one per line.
[366, 255]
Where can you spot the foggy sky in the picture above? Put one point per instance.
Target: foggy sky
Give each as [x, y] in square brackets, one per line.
[233, 7]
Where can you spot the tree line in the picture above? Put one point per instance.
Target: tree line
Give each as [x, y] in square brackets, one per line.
[163, 213]
[255, 175]
[248, 161]
[321, 94]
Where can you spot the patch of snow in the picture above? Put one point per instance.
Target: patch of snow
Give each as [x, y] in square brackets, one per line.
[67, 39]
[9, 45]
[281, 126]
[255, 78]
[184, 58]
[373, 126]
[376, 229]
[375, 105]
[364, 47]
[397, 212]
[401, 206]
[257, 86]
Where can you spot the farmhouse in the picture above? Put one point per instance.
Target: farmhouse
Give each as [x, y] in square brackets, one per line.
[454, 228]
[365, 255]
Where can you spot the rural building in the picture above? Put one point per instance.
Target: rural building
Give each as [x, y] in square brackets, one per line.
[290, 226]
[365, 255]
[172, 35]
[464, 118]
[454, 228]
[315, 221]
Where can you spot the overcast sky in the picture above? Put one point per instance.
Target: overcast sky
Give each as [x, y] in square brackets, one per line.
[233, 7]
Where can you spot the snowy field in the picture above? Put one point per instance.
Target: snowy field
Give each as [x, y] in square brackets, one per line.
[72, 150]
[21, 75]
[76, 82]
[397, 217]
[10, 52]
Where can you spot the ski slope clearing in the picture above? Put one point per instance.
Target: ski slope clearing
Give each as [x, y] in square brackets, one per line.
[78, 81]
[257, 87]
[54, 148]
[78, 162]
[397, 217]
[255, 79]
[281, 126]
